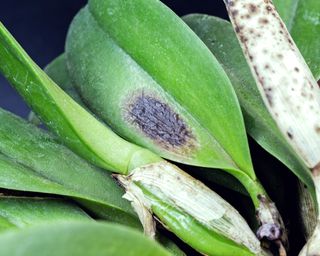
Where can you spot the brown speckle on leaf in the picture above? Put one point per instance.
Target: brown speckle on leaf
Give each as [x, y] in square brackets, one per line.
[235, 13]
[269, 98]
[269, 8]
[252, 8]
[243, 39]
[263, 21]
[279, 55]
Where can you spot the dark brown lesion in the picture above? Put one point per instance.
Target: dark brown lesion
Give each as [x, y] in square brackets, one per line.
[158, 121]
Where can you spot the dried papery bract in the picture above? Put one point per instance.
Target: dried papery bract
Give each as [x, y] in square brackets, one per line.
[162, 187]
[285, 82]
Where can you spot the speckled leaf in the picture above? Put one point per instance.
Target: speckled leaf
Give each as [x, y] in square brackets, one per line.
[156, 91]
[78, 239]
[302, 18]
[285, 82]
[219, 36]
[32, 160]
[20, 212]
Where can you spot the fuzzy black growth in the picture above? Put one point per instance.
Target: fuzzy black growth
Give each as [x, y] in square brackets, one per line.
[158, 121]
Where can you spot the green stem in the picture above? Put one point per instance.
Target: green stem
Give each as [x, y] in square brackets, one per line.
[253, 187]
[271, 225]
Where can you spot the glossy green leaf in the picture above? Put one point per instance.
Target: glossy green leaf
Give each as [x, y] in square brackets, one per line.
[32, 160]
[119, 73]
[302, 18]
[78, 239]
[77, 128]
[20, 212]
[57, 70]
[221, 40]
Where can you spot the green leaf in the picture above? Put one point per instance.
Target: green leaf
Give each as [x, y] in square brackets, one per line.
[219, 36]
[20, 212]
[77, 128]
[302, 18]
[32, 160]
[124, 78]
[78, 239]
[58, 72]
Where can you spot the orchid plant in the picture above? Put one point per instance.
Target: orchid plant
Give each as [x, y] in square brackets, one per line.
[138, 87]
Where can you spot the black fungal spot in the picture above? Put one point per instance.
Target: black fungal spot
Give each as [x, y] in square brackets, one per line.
[296, 69]
[159, 122]
[261, 198]
[290, 135]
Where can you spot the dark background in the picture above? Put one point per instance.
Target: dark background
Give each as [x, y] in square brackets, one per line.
[41, 26]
